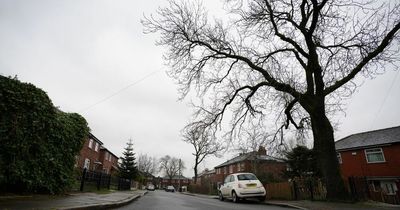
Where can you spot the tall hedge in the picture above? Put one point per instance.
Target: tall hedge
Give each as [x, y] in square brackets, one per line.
[38, 142]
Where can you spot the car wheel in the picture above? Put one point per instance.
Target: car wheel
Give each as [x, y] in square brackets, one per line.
[220, 196]
[235, 198]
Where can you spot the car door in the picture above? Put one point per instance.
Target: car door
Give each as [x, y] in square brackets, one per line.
[224, 188]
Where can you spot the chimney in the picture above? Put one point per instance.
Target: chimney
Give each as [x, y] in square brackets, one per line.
[261, 151]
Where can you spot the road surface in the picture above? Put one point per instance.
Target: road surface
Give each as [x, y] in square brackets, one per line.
[175, 201]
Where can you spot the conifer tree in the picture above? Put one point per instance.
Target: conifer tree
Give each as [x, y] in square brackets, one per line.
[127, 167]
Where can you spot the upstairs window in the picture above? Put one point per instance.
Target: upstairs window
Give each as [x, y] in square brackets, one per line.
[90, 143]
[97, 147]
[374, 155]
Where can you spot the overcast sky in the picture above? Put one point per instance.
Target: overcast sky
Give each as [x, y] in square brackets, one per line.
[92, 57]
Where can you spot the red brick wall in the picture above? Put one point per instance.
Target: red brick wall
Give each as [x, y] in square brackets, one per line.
[356, 165]
[89, 153]
[107, 164]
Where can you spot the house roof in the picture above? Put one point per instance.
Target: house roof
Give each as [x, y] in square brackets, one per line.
[176, 177]
[103, 148]
[370, 138]
[95, 138]
[206, 172]
[146, 174]
[249, 156]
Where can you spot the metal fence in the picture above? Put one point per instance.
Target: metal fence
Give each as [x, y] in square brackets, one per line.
[101, 180]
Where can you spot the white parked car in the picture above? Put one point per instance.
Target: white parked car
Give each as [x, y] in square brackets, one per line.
[150, 187]
[240, 186]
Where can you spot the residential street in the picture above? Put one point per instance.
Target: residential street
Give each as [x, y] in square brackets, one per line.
[167, 200]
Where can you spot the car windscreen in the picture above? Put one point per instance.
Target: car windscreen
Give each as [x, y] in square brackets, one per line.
[246, 177]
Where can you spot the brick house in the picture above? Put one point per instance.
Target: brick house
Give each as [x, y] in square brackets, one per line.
[374, 155]
[109, 161]
[147, 179]
[95, 157]
[176, 181]
[267, 168]
[89, 156]
[206, 176]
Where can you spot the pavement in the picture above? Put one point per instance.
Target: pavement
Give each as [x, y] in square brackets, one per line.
[319, 205]
[73, 201]
[120, 198]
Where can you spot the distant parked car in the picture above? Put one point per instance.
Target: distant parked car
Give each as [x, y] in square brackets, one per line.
[151, 187]
[240, 186]
[170, 188]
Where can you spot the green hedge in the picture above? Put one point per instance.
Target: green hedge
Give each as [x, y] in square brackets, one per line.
[38, 142]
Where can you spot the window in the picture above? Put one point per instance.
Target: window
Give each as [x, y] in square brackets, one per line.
[96, 147]
[90, 143]
[246, 177]
[374, 155]
[238, 167]
[242, 166]
[389, 187]
[87, 163]
[225, 170]
[339, 157]
[232, 179]
[231, 169]
[109, 157]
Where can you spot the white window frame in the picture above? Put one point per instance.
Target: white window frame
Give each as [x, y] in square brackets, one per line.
[96, 147]
[339, 157]
[90, 143]
[369, 151]
[86, 163]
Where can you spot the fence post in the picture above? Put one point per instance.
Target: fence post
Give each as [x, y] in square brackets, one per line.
[83, 179]
[119, 183]
[99, 181]
[109, 181]
[310, 188]
[353, 190]
[294, 190]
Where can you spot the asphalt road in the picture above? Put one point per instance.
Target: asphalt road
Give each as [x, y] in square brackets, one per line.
[175, 201]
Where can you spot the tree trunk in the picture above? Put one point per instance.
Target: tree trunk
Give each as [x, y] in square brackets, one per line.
[195, 172]
[324, 146]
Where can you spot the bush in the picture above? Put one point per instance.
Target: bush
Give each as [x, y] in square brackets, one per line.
[38, 142]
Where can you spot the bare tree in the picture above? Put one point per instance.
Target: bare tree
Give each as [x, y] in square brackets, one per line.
[171, 166]
[298, 58]
[252, 138]
[147, 164]
[203, 141]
